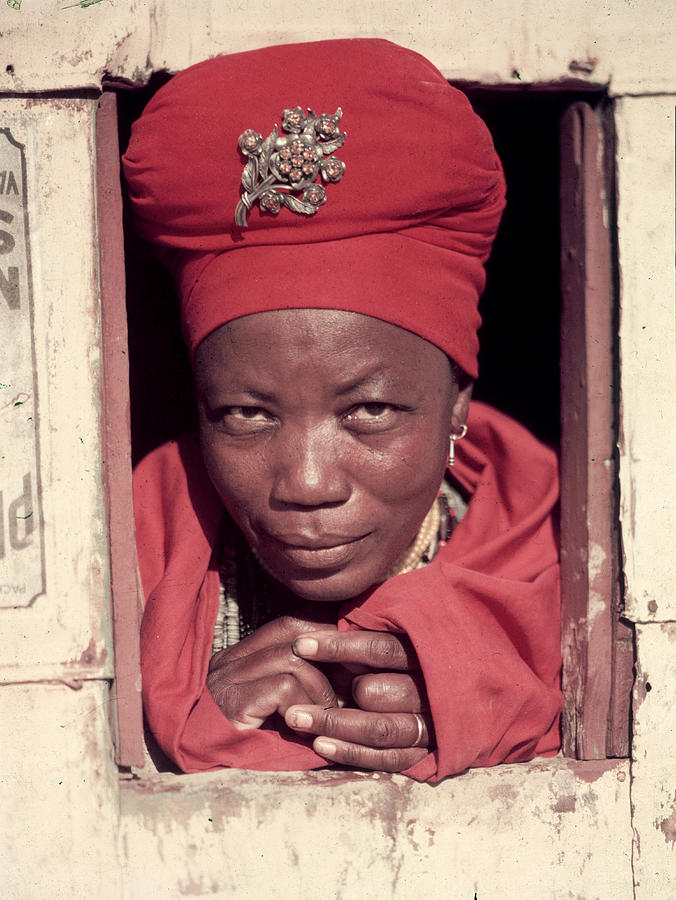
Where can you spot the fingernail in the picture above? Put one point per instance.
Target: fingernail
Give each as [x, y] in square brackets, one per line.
[325, 747]
[301, 719]
[305, 646]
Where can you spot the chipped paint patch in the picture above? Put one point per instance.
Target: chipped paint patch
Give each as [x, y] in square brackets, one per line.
[668, 827]
[566, 804]
[597, 604]
[592, 769]
[95, 655]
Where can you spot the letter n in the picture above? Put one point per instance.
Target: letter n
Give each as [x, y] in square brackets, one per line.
[10, 287]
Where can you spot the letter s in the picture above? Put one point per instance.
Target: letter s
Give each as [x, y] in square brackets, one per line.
[6, 239]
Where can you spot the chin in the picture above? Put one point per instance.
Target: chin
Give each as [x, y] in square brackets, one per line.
[328, 588]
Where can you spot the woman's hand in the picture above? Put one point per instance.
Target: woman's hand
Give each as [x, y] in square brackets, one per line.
[390, 731]
[261, 675]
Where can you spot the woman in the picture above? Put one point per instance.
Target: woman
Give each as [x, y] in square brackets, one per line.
[327, 580]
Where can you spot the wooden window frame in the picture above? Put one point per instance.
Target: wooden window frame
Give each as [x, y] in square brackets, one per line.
[598, 649]
[597, 644]
[124, 582]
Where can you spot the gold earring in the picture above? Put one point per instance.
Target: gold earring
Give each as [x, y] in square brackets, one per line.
[451, 445]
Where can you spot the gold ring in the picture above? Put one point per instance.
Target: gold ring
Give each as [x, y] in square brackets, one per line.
[420, 722]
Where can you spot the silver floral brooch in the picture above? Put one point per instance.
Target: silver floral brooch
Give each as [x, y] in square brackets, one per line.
[291, 162]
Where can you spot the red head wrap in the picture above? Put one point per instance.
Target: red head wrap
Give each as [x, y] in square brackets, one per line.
[402, 236]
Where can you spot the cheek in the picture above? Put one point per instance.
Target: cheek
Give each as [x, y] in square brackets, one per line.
[413, 468]
[238, 477]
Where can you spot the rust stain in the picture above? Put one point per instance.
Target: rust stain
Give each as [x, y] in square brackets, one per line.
[143, 786]
[668, 825]
[90, 657]
[652, 607]
[60, 103]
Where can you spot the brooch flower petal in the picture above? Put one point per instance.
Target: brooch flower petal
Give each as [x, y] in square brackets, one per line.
[283, 165]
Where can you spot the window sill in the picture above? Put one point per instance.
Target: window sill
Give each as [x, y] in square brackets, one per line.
[316, 833]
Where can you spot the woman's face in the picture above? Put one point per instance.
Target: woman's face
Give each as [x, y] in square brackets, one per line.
[326, 435]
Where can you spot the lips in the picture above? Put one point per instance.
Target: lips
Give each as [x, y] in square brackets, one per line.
[307, 552]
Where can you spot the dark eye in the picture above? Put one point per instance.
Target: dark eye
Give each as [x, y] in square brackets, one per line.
[247, 412]
[244, 419]
[368, 411]
[371, 416]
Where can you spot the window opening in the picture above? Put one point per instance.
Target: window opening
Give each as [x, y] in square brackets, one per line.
[520, 359]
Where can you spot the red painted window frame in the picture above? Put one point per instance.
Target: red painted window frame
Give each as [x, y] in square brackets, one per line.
[124, 584]
[598, 646]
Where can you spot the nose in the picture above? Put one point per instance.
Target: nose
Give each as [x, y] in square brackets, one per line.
[308, 470]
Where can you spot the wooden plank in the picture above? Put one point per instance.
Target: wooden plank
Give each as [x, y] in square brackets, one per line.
[596, 717]
[117, 440]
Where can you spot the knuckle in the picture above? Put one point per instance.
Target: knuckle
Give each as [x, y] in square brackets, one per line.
[382, 732]
[218, 687]
[286, 685]
[217, 661]
[327, 696]
[331, 649]
[329, 722]
[394, 761]
[227, 697]
[288, 625]
[293, 625]
[295, 662]
[381, 650]
[367, 691]
[352, 755]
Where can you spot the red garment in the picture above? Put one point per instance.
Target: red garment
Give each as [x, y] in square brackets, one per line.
[483, 616]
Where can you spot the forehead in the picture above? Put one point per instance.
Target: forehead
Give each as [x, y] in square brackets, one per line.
[327, 340]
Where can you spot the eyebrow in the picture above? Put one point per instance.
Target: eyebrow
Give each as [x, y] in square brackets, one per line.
[370, 378]
[375, 378]
[240, 389]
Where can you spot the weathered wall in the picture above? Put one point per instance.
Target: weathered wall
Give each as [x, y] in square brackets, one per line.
[539, 830]
[645, 152]
[625, 43]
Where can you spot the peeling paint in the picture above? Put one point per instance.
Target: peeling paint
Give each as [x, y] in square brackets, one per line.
[592, 770]
[95, 655]
[667, 825]
[566, 804]
[583, 66]
[504, 792]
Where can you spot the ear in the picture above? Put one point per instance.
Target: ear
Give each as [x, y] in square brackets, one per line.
[461, 406]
